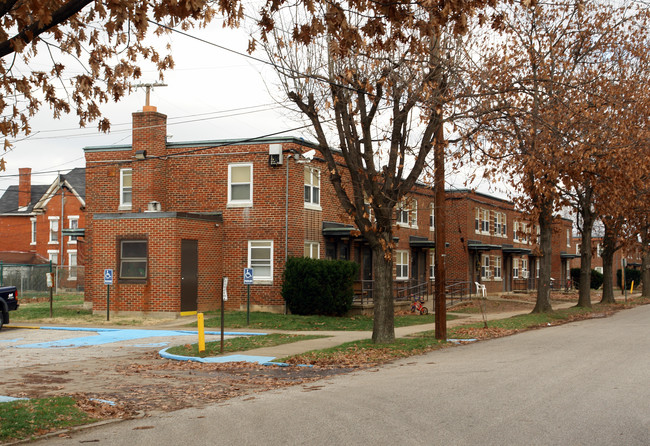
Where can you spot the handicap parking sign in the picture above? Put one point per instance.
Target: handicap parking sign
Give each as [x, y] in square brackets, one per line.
[248, 276]
[108, 277]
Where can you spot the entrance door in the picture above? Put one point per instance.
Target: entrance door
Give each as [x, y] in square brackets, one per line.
[189, 275]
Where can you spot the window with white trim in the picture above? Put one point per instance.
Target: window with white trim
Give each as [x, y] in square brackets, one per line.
[260, 258]
[485, 266]
[432, 266]
[515, 231]
[54, 229]
[568, 237]
[432, 217]
[599, 250]
[401, 265]
[524, 268]
[53, 256]
[312, 187]
[72, 264]
[407, 213]
[312, 250]
[133, 259]
[497, 267]
[599, 269]
[126, 188]
[73, 223]
[537, 265]
[33, 224]
[240, 185]
[500, 224]
[485, 221]
[578, 248]
[515, 268]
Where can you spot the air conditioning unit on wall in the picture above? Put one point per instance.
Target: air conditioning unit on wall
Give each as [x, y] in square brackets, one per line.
[275, 154]
[154, 206]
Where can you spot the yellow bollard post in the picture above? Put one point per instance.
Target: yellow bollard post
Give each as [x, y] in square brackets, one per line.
[199, 318]
[632, 287]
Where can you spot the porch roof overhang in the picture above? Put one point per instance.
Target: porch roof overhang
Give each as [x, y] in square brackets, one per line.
[566, 255]
[474, 245]
[509, 249]
[421, 242]
[331, 228]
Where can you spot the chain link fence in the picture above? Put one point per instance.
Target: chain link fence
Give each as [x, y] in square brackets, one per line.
[33, 278]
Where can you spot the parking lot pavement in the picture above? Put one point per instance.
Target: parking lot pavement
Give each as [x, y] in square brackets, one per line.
[23, 347]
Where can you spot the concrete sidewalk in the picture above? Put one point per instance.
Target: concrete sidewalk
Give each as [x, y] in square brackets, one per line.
[335, 338]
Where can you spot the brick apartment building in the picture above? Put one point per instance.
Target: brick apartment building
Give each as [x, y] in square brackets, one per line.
[631, 254]
[33, 223]
[491, 243]
[174, 219]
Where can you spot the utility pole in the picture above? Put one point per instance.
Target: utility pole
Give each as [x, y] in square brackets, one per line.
[440, 236]
[59, 270]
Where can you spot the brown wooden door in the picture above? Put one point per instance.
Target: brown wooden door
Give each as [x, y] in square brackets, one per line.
[189, 275]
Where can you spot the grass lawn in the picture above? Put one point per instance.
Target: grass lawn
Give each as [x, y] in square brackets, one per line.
[26, 418]
[266, 321]
[365, 353]
[239, 344]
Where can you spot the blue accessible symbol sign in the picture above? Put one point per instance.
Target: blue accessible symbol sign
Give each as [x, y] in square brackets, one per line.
[108, 277]
[248, 276]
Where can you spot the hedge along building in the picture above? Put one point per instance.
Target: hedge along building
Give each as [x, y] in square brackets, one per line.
[174, 219]
[493, 244]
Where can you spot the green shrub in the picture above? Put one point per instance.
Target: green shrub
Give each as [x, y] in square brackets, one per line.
[630, 275]
[596, 278]
[322, 287]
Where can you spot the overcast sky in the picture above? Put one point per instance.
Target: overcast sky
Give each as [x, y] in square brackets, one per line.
[211, 94]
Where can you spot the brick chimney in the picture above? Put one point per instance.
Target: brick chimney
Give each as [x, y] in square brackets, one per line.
[149, 141]
[24, 186]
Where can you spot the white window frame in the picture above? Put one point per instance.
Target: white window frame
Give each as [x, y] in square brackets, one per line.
[568, 238]
[72, 240]
[485, 221]
[261, 244]
[413, 214]
[53, 229]
[515, 231]
[126, 205]
[53, 256]
[401, 265]
[537, 265]
[432, 217]
[485, 267]
[432, 265]
[477, 221]
[599, 269]
[314, 190]
[497, 268]
[515, 268]
[403, 216]
[312, 250]
[72, 272]
[33, 226]
[599, 250]
[524, 268]
[234, 203]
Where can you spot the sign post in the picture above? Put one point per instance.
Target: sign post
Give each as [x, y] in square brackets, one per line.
[224, 298]
[108, 281]
[248, 281]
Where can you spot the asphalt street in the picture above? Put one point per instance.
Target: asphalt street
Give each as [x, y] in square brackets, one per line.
[584, 383]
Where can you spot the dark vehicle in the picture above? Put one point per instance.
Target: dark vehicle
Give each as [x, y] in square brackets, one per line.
[8, 302]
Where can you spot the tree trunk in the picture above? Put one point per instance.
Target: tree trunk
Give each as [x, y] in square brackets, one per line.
[584, 296]
[543, 304]
[645, 265]
[383, 330]
[609, 249]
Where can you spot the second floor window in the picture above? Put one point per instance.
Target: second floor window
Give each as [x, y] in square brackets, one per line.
[240, 184]
[500, 224]
[312, 186]
[482, 221]
[54, 229]
[126, 188]
[407, 213]
[73, 223]
[33, 222]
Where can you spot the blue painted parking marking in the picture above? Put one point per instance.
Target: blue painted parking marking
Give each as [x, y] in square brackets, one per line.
[110, 335]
